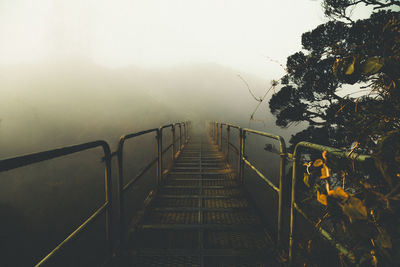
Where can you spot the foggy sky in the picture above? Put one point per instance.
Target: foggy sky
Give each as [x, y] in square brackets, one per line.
[72, 71]
[243, 35]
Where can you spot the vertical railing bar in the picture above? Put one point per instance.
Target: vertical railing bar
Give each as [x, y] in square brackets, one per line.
[108, 193]
[217, 131]
[173, 142]
[220, 137]
[227, 143]
[243, 137]
[180, 137]
[240, 154]
[292, 213]
[184, 133]
[282, 188]
[159, 155]
[120, 193]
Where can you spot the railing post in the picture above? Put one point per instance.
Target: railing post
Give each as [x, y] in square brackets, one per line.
[120, 193]
[239, 167]
[186, 132]
[220, 137]
[243, 143]
[159, 153]
[227, 142]
[282, 188]
[214, 131]
[292, 213]
[180, 136]
[173, 142]
[216, 134]
[108, 188]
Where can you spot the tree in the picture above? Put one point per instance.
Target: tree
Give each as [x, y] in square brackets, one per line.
[345, 84]
[364, 53]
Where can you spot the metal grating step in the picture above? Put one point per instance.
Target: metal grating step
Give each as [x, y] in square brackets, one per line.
[180, 191]
[171, 217]
[235, 240]
[223, 192]
[164, 239]
[226, 203]
[164, 261]
[183, 182]
[176, 202]
[199, 217]
[250, 261]
[213, 217]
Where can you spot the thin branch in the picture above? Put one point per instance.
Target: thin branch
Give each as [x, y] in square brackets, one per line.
[248, 87]
[261, 100]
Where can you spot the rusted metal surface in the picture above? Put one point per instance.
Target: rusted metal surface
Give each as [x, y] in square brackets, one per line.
[242, 161]
[16, 162]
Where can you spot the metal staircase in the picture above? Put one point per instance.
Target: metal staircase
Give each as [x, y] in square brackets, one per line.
[198, 212]
[199, 217]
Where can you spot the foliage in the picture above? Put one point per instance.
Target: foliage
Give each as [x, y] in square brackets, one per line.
[361, 207]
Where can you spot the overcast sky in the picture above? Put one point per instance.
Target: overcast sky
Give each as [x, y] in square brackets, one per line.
[247, 35]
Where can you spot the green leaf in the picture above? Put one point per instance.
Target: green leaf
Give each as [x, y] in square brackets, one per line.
[372, 65]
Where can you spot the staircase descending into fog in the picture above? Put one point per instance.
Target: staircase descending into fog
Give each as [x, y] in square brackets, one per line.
[198, 211]
[200, 216]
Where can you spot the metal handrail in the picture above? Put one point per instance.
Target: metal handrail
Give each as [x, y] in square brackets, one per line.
[17, 162]
[293, 206]
[159, 172]
[363, 160]
[217, 135]
[20, 161]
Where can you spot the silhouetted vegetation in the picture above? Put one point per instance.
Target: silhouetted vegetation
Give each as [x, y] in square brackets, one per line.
[345, 85]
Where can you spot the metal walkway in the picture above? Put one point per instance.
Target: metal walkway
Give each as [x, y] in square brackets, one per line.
[198, 213]
[199, 217]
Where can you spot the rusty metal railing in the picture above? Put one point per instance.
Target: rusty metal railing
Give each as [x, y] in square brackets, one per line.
[360, 159]
[363, 161]
[182, 139]
[216, 129]
[17, 162]
[160, 173]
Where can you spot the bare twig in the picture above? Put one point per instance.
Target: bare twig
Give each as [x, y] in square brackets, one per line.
[248, 87]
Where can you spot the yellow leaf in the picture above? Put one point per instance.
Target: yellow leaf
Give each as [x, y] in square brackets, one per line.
[324, 155]
[372, 65]
[335, 67]
[322, 198]
[355, 209]
[306, 179]
[318, 162]
[325, 172]
[338, 193]
[350, 69]
[384, 239]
